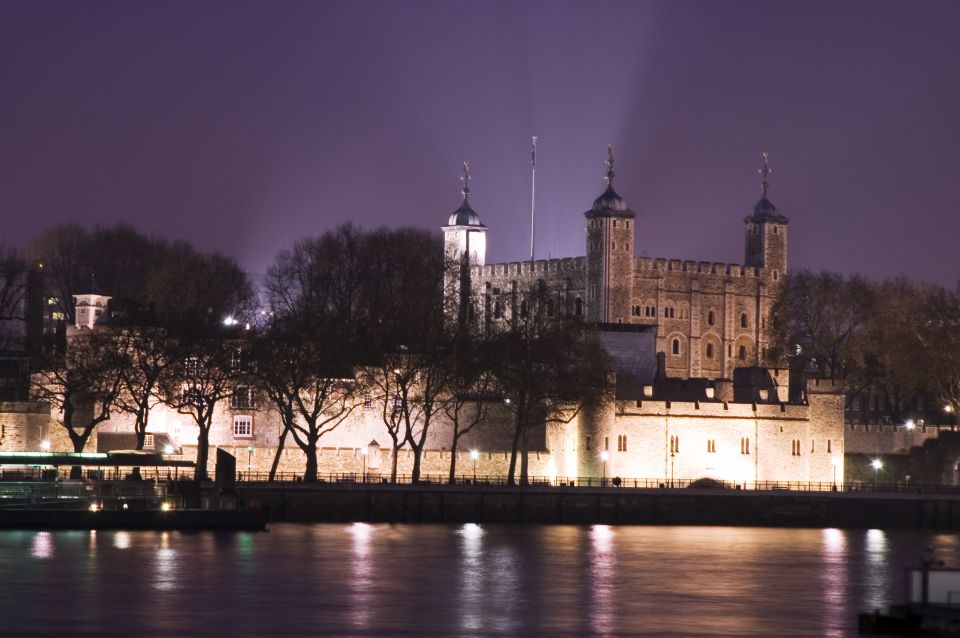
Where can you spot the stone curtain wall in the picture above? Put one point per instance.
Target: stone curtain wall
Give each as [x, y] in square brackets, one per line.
[24, 424]
[435, 465]
[786, 442]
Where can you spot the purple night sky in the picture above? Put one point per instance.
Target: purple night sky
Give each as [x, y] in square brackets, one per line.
[242, 126]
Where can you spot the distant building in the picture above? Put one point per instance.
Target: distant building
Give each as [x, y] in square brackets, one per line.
[709, 318]
[687, 339]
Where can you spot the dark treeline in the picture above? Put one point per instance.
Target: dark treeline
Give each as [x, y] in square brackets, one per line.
[350, 319]
[895, 339]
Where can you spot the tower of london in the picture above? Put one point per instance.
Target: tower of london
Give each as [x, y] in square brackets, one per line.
[708, 318]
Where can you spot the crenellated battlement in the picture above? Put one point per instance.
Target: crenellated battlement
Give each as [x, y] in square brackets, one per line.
[713, 408]
[698, 267]
[527, 268]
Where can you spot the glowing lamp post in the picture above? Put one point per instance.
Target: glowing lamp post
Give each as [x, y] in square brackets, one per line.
[877, 465]
[474, 455]
[603, 457]
[45, 445]
[249, 460]
[671, 468]
[835, 461]
[363, 453]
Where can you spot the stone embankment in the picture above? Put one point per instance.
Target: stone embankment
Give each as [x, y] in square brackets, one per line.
[490, 504]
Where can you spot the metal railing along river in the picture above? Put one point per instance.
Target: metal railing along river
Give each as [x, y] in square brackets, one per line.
[125, 476]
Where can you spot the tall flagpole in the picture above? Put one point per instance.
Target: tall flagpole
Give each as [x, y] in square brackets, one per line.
[533, 195]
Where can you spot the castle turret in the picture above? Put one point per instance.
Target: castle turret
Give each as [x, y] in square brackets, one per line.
[766, 233]
[465, 245]
[90, 307]
[609, 254]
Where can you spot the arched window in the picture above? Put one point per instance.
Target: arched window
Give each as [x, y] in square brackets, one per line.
[709, 351]
[711, 318]
[743, 320]
[742, 353]
[578, 307]
[676, 346]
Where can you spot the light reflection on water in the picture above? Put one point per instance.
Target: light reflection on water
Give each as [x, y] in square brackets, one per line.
[455, 580]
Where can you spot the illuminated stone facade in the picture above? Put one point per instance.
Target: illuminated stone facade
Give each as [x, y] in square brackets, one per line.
[709, 318]
[694, 420]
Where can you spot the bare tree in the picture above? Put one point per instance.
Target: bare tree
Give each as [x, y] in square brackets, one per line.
[82, 384]
[310, 388]
[199, 377]
[547, 369]
[145, 353]
[13, 290]
[468, 393]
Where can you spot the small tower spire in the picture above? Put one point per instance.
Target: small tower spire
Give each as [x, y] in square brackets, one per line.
[764, 172]
[465, 178]
[609, 162]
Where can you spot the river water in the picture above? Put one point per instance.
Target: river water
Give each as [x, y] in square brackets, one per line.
[454, 580]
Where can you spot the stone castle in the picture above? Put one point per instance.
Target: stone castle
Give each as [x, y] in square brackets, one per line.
[689, 336]
[708, 318]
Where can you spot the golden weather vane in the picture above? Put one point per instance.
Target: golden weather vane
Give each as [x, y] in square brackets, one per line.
[764, 172]
[465, 178]
[609, 162]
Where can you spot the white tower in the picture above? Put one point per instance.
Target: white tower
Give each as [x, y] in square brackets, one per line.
[465, 235]
[465, 245]
[89, 307]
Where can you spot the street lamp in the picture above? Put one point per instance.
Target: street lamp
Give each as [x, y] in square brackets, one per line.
[45, 445]
[474, 455]
[835, 461]
[604, 456]
[910, 424]
[877, 466]
[671, 468]
[363, 453]
[249, 460]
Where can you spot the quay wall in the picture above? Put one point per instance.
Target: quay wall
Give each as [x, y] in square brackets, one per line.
[487, 504]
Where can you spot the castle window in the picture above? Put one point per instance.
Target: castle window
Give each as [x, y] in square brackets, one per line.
[669, 312]
[243, 426]
[621, 443]
[742, 353]
[367, 402]
[578, 307]
[614, 244]
[650, 311]
[711, 318]
[676, 347]
[614, 223]
[776, 229]
[241, 399]
[675, 444]
[745, 445]
[828, 446]
[628, 224]
[744, 322]
[776, 275]
[148, 441]
[795, 447]
[812, 445]
[606, 443]
[709, 351]
[711, 446]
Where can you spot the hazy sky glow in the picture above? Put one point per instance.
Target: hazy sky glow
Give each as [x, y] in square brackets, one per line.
[242, 126]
